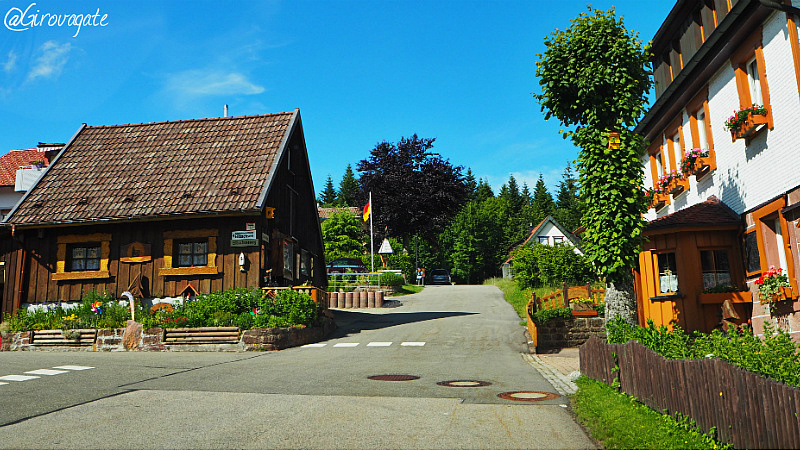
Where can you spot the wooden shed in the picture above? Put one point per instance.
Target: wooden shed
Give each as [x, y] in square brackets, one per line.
[199, 205]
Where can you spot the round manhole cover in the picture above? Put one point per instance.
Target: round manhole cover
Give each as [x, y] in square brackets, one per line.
[528, 396]
[393, 377]
[464, 383]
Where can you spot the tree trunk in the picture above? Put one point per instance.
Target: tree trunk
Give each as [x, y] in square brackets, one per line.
[621, 301]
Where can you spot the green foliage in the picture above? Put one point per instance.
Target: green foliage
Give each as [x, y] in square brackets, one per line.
[550, 265]
[619, 421]
[774, 355]
[544, 315]
[525, 267]
[391, 279]
[568, 206]
[57, 316]
[348, 189]
[518, 298]
[343, 237]
[475, 248]
[542, 202]
[294, 307]
[329, 194]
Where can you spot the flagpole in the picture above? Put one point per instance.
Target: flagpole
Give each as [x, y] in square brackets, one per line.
[371, 240]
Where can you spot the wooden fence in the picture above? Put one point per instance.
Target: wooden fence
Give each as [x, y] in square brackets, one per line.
[748, 410]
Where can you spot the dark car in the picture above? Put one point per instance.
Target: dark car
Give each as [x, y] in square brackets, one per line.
[343, 265]
[440, 276]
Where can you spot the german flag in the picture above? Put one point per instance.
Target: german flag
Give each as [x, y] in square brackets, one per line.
[367, 210]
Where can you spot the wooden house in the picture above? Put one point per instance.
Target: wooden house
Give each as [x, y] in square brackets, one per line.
[168, 208]
[730, 212]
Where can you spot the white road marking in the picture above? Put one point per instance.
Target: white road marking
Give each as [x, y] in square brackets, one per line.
[379, 343]
[46, 372]
[412, 343]
[315, 345]
[17, 378]
[346, 345]
[3, 383]
[73, 367]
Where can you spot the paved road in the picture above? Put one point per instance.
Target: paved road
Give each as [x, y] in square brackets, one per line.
[311, 397]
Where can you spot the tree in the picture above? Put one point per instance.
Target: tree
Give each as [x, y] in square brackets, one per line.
[471, 184]
[414, 190]
[474, 242]
[510, 192]
[343, 237]
[328, 197]
[542, 202]
[568, 206]
[348, 189]
[594, 76]
[483, 191]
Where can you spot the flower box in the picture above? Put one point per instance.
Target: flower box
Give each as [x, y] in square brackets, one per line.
[701, 166]
[659, 201]
[750, 127]
[737, 297]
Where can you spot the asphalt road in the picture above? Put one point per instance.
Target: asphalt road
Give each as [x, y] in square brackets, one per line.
[304, 398]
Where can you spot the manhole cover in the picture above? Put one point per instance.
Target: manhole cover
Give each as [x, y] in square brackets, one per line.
[464, 383]
[528, 396]
[393, 377]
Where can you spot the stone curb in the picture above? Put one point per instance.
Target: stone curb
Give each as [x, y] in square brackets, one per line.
[562, 383]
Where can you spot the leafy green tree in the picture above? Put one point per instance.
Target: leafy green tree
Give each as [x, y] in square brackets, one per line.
[594, 77]
[474, 242]
[525, 267]
[568, 205]
[328, 196]
[348, 189]
[414, 190]
[542, 202]
[343, 237]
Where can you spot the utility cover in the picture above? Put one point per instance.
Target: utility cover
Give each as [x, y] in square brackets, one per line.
[386, 248]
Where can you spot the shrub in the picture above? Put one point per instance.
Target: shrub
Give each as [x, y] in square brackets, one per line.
[545, 315]
[539, 264]
[391, 279]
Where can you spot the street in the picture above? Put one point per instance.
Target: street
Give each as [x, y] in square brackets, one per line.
[459, 347]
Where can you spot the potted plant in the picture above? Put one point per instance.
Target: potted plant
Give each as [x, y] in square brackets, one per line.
[37, 164]
[670, 183]
[773, 287]
[745, 122]
[694, 162]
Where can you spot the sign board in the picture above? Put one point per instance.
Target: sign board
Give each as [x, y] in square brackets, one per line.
[386, 248]
[250, 226]
[244, 238]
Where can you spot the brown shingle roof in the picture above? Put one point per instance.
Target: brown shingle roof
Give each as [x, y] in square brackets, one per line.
[14, 159]
[710, 213]
[158, 169]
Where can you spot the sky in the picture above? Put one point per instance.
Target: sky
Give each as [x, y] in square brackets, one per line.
[360, 72]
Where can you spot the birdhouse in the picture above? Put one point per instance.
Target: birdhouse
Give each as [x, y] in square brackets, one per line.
[613, 141]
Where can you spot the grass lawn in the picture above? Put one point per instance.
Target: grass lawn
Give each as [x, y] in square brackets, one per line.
[516, 297]
[619, 421]
[407, 289]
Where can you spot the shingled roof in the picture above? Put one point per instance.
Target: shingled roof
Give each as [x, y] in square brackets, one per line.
[712, 212]
[159, 169]
[15, 159]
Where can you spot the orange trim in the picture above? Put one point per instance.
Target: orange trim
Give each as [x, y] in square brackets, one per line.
[771, 208]
[750, 48]
[76, 275]
[793, 40]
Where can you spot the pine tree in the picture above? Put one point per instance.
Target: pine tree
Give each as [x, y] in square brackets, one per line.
[472, 185]
[348, 189]
[328, 195]
[510, 192]
[483, 191]
[542, 200]
[568, 205]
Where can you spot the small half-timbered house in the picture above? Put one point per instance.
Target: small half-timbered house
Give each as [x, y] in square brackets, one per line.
[200, 205]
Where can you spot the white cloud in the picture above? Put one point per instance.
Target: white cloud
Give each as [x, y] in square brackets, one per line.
[198, 83]
[54, 57]
[11, 63]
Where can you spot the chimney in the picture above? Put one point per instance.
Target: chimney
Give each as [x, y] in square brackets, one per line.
[226, 110]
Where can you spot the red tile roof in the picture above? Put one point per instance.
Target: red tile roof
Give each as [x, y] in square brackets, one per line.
[158, 169]
[710, 213]
[14, 159]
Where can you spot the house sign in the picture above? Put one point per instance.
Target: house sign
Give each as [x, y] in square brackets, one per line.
[244, 238]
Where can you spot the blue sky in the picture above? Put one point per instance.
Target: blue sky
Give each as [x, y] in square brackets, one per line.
[360, 72]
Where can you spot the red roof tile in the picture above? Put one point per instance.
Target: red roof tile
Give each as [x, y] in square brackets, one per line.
[710, 213]
[157, 169]
[14, 159]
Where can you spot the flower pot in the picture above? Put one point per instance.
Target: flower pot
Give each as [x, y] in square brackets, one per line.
[750, 127]
[701, 165]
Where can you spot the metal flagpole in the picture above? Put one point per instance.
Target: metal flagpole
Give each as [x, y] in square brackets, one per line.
[371, 239]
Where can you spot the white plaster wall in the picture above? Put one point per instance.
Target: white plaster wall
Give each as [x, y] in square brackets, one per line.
[747, 176]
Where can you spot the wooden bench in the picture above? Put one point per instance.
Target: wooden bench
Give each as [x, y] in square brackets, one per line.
[55, 337]
[201, 335]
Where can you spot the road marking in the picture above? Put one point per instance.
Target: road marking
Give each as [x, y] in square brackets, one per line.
[412, 343]
[346, 345]
[379, 343]
[17, 378]
[3, 383]
[45, 372]
[73, 367]
[315, 345]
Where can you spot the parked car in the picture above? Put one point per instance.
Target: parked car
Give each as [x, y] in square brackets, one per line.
[343, 265]
[440, 276]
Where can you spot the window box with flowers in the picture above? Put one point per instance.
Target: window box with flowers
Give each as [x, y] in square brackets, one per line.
[695, 162]
[745, 123]
[671, 183]
[655, 198]
[773, 287]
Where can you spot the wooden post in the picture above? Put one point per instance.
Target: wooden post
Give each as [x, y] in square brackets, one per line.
[565, 293]
[589, 291]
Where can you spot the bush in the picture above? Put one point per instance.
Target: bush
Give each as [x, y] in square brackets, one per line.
[391, 279]
[544, 315]
[539, 264]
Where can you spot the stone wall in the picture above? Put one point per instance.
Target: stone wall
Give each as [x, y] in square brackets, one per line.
[134, 338]
[568, 333]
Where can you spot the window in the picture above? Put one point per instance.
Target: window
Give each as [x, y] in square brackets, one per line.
[773, 243]
[702, 138]
[700, 127]
[192, 253]
[84, 257]
[558, 239]
[751, 255]
[716, 268]
[751, 77]
[667, 273]
[544, 240]
[659, 164]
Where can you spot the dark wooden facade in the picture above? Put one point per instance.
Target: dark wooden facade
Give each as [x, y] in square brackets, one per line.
[288, 249]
